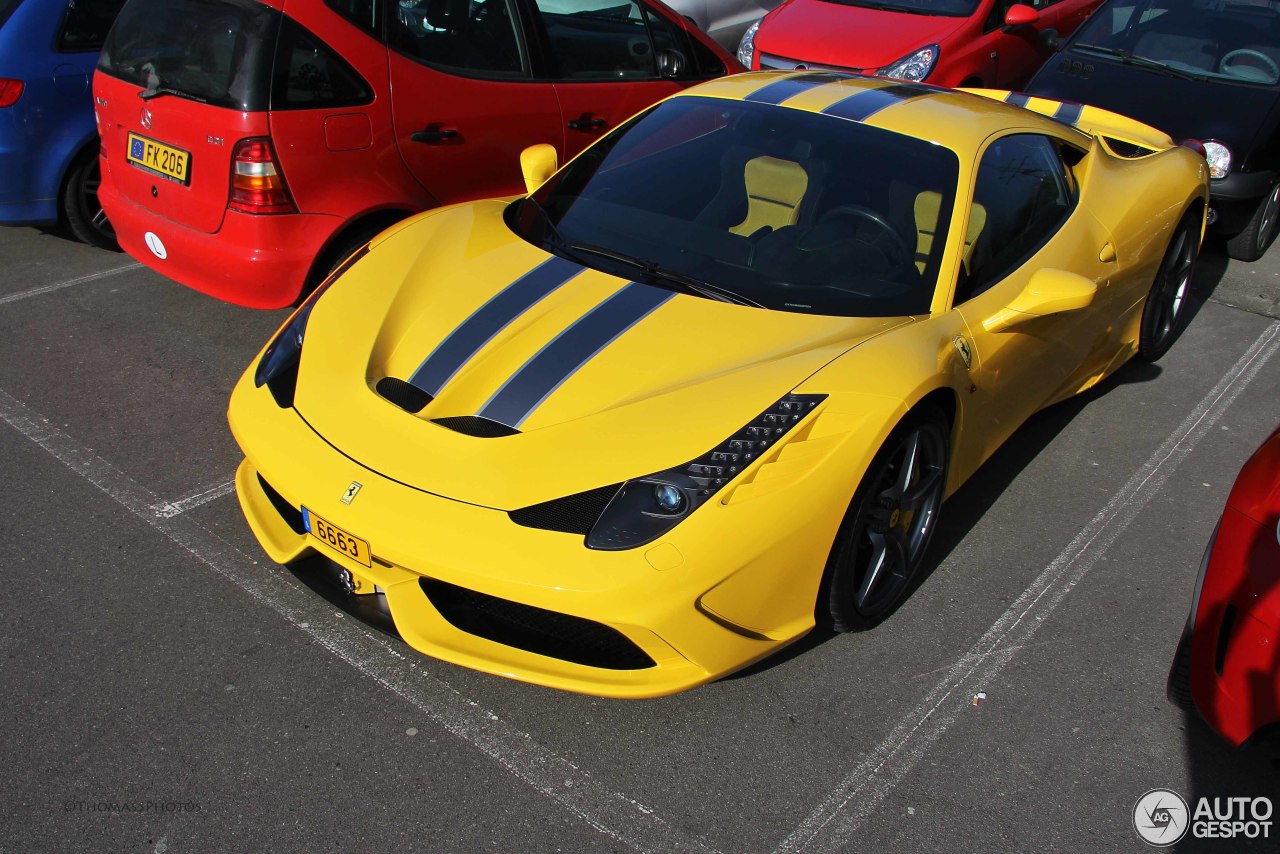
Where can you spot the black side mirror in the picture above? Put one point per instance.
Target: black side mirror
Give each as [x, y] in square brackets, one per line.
[1050, 40]
[671, 64]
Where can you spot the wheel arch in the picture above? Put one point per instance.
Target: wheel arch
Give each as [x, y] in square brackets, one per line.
[356, 230]
[88, 147]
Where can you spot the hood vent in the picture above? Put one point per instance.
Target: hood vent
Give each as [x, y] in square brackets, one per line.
[408, 397]
[474, 425]
[573, 514]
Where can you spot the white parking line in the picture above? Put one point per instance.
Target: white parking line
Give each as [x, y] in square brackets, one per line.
[835, 821]
[612, 813]
[169, 509]
[45, 289]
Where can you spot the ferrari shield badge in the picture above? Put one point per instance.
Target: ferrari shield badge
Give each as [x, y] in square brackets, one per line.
[962, 347]
[352, 491]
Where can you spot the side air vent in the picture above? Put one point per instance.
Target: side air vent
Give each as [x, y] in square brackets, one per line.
[1128, 149]
[573, 514]
[408, 397]
[290, 514]
[536, 630]
[474, 425]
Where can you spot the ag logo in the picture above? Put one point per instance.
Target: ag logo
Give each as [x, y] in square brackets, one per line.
[352, 491]
[1161, 817]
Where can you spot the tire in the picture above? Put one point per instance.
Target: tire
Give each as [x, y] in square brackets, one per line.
[890, 521]
[1166, 305]
[80, 206]
[1252, 243]
[1178, 688]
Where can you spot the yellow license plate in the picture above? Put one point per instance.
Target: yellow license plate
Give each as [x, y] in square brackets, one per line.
[172, 163]
[336, 538]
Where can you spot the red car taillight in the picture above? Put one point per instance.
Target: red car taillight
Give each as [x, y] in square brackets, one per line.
[10, 91]
[257, 187]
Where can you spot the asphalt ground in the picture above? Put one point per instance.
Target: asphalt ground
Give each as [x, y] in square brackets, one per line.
[167, 688]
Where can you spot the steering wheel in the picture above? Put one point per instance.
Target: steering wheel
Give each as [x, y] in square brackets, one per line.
[900, 253]
[1225, 65]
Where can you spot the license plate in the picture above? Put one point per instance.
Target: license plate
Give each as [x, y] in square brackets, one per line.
[172, 163]
[336, 538]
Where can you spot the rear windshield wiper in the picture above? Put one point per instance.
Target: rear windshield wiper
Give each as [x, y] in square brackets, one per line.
[1127, 57]
[157, 91]
[652, 270]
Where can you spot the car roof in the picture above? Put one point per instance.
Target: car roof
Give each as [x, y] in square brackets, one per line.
[958, 120]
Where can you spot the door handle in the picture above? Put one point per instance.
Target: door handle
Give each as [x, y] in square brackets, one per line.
[586, 122]
[434, 133]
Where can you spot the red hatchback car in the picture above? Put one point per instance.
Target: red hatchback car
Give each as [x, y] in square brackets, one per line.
[993, 43]
[1229, 660]
[249, 146]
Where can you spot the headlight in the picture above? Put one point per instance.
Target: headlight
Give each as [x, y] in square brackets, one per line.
[914, 66]
[747, 47]
[645, 508]
[1219, 157]
[278, 368]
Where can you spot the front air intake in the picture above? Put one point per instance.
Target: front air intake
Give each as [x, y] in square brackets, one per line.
[573, 514]
[535, 630]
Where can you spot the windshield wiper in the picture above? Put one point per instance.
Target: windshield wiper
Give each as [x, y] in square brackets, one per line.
[157, 91]
[651, 270]
[1127, 58]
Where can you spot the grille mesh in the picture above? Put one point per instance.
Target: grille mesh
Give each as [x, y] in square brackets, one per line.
[474, 425]
[408, 397]
[535, 630]
[572, 514]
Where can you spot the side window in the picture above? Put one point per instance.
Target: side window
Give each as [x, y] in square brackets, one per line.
[1022, 196]
[85, 25]
[308, 73]
[600, 39]
[363, 13]
[478, 37]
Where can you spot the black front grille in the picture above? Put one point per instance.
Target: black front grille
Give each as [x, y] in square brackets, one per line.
[474, 425]
[408, 397]
[573, 514]
[290, 514]
[533, 629]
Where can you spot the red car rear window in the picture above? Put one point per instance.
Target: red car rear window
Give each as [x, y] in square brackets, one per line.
[213, 51]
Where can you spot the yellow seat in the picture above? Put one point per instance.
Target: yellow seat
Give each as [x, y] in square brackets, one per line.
[928, 206]
[774, 190]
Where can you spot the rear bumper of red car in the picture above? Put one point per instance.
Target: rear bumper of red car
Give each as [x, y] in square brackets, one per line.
[260, 261]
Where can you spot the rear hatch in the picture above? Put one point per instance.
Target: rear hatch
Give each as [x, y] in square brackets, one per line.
[179, 83]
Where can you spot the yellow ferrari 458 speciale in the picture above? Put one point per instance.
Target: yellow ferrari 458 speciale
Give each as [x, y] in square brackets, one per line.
[711, 381]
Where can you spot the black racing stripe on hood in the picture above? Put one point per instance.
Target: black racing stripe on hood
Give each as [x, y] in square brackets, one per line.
[1068, 114]
[488, 320]
[780, 90]
[565, 354]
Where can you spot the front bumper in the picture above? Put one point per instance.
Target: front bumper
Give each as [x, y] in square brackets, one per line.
[1233, 199]
[717, 594]
[1235, 652]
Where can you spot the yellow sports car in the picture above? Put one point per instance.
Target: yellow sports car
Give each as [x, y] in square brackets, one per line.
[712, 380]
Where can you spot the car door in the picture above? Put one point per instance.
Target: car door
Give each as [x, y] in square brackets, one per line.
[1025, 197]
[464, 99]
[609, 59]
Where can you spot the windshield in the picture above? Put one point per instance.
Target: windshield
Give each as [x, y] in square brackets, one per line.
[757, 204]
[215, 51]
[1236, 41]
[945, 8]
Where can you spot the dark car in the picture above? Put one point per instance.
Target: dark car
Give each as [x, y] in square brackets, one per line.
[1200, 69]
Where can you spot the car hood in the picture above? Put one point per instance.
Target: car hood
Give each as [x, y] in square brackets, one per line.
[1198, 109]
[610, 379]
[824, 33]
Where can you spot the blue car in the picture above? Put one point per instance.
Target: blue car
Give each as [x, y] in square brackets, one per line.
[48, 139]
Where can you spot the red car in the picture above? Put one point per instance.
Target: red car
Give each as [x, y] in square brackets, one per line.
[1228, 663]
[991, 43]
[248, 147]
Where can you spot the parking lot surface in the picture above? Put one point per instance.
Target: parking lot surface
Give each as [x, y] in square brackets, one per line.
[170, 689]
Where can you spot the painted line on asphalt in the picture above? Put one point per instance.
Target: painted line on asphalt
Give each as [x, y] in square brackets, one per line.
[614, 814]
[835, 822]
[45, 289]
[169, 509]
